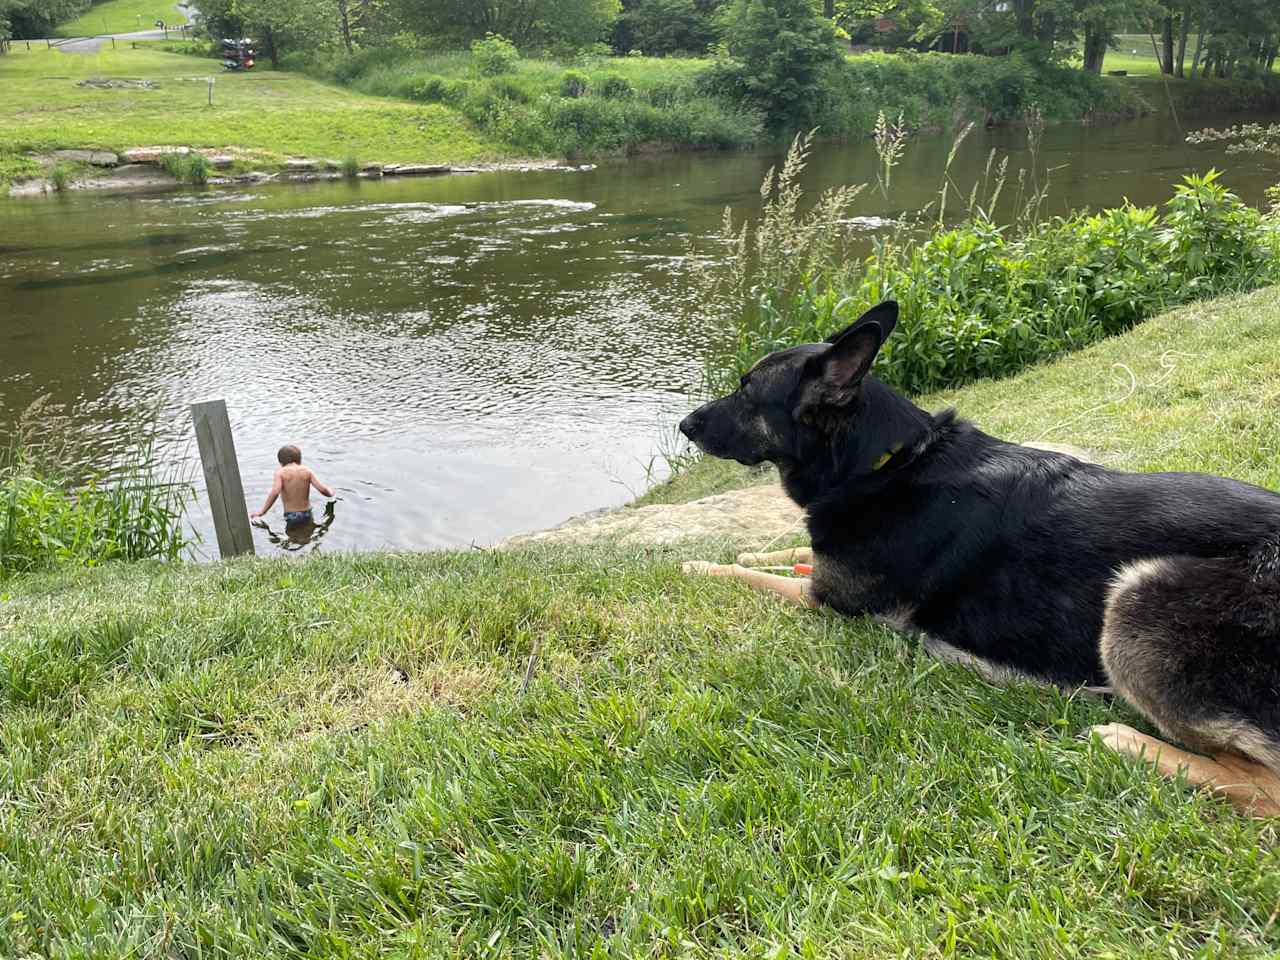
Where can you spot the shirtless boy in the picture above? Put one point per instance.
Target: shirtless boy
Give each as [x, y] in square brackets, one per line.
[294, 481]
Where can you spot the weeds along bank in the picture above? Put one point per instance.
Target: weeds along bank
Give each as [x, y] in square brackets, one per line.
[986, 285]
[50, 519]
[598, 105]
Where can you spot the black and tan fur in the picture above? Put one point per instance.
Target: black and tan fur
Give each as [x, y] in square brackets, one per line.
[1021, 562]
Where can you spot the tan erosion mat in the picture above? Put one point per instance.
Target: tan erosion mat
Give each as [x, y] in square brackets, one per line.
[753, 517]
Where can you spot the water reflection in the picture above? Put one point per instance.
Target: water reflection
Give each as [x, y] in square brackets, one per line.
[296, 537]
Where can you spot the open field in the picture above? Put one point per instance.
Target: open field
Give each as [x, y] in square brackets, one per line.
[123, 16]
[1134, 53]
[335, 758]
[273, 113]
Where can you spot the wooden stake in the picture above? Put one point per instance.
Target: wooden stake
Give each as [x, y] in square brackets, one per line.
[222, 477]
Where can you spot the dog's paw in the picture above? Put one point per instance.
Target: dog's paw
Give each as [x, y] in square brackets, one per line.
[1119, 737]
[703, 568]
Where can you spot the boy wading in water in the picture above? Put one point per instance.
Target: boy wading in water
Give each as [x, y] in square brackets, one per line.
[294, 482]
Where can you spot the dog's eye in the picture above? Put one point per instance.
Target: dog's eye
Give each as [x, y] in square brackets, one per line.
[742, 382]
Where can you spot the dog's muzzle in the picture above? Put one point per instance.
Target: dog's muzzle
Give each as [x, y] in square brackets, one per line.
[693, 425]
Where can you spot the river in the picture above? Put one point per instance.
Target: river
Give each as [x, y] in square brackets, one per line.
[461, 358]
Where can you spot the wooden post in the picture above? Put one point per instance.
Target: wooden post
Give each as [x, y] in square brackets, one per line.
[222, 477]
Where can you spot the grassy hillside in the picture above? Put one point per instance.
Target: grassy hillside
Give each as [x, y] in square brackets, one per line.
[276, 114]
[123, 16]
[336, 758]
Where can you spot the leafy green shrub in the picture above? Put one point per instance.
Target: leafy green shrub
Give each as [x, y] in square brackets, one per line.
[429, 89]
[780, 50]
[509, 89]
[667, 93]
[574, 84]
[979, 299]
[494, 55]
[614, 87]
[1215, 241]
[351, 167]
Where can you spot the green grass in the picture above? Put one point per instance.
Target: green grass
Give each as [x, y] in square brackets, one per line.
[123, 16]
[17, 165]
[334, 758]
[270, 113]
[1134, 53]
[529, 110]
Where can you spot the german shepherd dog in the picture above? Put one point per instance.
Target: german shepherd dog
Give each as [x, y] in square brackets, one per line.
[1020, 562]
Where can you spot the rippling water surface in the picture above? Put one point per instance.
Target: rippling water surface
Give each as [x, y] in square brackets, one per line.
[461, 358]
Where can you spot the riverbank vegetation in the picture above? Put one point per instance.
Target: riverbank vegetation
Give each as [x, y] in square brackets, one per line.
[344, 757]
[598, 105]
[47, 519]
[978, 299]
[758, 70]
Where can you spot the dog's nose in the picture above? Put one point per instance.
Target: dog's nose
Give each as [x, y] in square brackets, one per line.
[691, 425]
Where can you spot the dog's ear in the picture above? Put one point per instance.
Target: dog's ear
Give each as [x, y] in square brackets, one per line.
[832, 378]
[885, 314]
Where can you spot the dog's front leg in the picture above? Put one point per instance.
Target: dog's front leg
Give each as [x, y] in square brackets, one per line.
[795, 555]
[794, 589]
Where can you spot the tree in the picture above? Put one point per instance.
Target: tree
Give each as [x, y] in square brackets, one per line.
[580, 22]
[665, 26]
[781, 48]
[281, 26]
[1096, 23]
[35, 19]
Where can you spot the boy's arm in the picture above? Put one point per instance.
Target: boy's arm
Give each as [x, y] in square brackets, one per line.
[276, 483]
[324, 491]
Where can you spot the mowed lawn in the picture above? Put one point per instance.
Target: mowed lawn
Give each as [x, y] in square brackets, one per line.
[123, 16]
[1134, 53]
[338, 757]
[277, 114]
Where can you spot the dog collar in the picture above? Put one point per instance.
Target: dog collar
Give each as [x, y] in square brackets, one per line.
[886, 456]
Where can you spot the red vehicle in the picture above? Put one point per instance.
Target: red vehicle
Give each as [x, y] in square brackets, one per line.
[237, 54]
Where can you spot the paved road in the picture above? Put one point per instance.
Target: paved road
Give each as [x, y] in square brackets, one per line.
[93, 44]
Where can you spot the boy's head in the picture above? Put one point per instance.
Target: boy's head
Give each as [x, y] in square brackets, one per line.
[289, 454]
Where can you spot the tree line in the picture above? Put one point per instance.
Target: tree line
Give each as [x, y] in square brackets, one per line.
[24, 19]
[1190, 37]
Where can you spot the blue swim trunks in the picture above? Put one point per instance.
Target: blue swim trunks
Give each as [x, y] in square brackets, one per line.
[295, 518]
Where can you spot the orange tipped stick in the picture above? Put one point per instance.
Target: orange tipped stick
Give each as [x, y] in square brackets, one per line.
[803, 569]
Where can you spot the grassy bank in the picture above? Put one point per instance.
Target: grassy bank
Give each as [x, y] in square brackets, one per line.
[621, 104]
[123, 16]
[335, 758]
[600, 105]
[269, 114]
